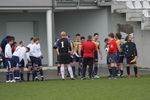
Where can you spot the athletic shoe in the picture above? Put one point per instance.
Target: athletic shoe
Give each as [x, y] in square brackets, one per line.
[12, 81]
[129, 76]
[63, 79]
[96, 76]
[42, 78]
[137, 75]
[83, 78]
[8, 81]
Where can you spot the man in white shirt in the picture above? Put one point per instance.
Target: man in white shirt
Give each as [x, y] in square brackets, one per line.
[8, 56]
[36, 58]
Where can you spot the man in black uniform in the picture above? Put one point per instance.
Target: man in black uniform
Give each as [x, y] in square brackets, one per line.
[64, 49]
[130, 51]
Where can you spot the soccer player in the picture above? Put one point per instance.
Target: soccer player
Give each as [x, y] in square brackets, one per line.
[95, 40]
[88, 47]
[77, 53]
[130, 51]
[106, 49]
[64, 49]
[8, 57]
[21, 63]
[58, 65]
[17, 57]
[29, 61]
[36, 58]
[112, 54]
[120, 54]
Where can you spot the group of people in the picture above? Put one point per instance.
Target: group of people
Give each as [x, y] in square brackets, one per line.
[74, 56]
[85, 52]
[14, 58]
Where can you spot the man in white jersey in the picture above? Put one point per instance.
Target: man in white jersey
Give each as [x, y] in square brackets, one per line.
[29, 64]
[18, 55]
[36, 57]
[8, 56]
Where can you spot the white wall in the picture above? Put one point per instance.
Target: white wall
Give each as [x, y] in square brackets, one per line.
[85, 22]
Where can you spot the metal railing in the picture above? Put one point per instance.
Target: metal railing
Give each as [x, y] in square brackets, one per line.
[74, 3]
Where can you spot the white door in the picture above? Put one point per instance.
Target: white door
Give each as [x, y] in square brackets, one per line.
[20, 30]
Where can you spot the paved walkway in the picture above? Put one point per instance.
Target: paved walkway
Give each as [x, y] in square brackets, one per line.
[50, 72]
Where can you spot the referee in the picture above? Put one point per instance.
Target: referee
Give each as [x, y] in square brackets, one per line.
[88, 47]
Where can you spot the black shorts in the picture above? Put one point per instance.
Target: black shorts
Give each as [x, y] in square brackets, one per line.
[64, 58]
[129, 59]
[108, 60]
[120, 57]
[36, 61]
[88, 61]
[21, 63]
[112, 58]
[96, 56]
[15, 61]
[8, 63]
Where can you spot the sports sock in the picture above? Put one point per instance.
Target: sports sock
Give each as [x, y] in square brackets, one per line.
[11, 75]
[74, 70]
[21, 75]
[95, 70]
[114, 71]
[110, 71]
[33, 75]
[121, 72]
[70, 71]
[58, 69]
[41, 72]
[7, 76]
[128, 70]
[28, 75]
[135, 70]
[62, 70]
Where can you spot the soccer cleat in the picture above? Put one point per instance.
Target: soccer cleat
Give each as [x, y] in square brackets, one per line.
[129, 76]
[12, 81]
[137, 75]
[63, 79]
[96, 76]
[42, 78]
[83, 78]
[8, 81]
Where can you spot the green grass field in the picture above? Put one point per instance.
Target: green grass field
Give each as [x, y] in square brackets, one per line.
[99, 89]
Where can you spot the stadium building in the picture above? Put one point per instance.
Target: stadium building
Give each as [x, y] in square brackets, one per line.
[47, 18]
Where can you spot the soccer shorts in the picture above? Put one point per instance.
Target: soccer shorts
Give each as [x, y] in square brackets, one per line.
[15, 61]
[64, 58]
[75, 58]
[129, 59]
[36, 61]
[8, 63]
[21, 63]
[120, 57]
[112, 58]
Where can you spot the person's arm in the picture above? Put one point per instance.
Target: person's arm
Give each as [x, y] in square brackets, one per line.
[8, 52]
[135, 51]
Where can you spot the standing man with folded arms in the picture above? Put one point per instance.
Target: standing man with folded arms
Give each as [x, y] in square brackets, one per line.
[88, 47]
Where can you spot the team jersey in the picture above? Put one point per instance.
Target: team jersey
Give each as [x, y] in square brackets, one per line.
[97, 43]
[77, 47]
[20, 52]
[64, 46]
[88, 47]
[119, 45]
[112, 46]
[8, 51]
[36, 50]
[129, 49]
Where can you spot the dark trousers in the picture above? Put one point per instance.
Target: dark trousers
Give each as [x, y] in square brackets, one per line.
[87, 62]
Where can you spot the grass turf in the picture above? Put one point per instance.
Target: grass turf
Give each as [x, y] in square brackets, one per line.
[99, 89]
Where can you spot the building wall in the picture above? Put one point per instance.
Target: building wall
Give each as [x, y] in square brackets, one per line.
[25, 3]
[39, 20]
[141, 38]
[85, 22]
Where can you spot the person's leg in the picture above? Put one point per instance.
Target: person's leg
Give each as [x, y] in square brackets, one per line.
[84, 67]
[121, 67]
[62, 70]
[136, 71]
[70, 71]
[90, 63]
